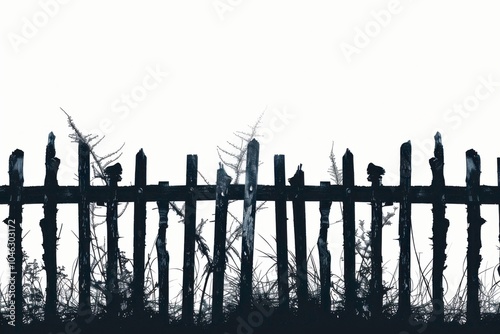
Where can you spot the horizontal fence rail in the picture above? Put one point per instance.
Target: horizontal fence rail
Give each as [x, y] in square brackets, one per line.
[473, 195]
[336, 193]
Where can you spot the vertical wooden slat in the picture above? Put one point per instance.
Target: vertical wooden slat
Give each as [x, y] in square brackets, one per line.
[163, 256]
[474, 221]
[113, 175]
[49, 228]
[219, 262]
[189, 241]
[376, 289]
[498, 182]
[14, 222]
[405, 231]
[439, 228]
[248, 227]
[349, 227]
[299, 224]
[139, 233]
[281, 233]
[84, 228]
[324, 253]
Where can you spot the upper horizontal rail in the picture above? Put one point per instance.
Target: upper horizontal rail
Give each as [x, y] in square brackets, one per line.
[153, 193]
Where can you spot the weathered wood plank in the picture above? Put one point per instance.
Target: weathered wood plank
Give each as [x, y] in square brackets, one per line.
[498, 182]
[84, 227]
[163, 256]
[336, 193]
[474, 221]
[139, 234]
[439, 227]
[281, 233]
[15, 232]
[324, 253]
[113, 175]
[248, 225]
[189, 240]
[349, 226]
[299, 224]
[404, 310]
[376, 289]
[48, 225]
[219, 259]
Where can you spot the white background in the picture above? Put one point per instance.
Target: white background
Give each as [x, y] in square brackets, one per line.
[229, 61]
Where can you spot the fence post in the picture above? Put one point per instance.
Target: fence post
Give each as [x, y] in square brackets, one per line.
[299, 224]
[219, 262]
[324, 253]
[405, 231]
[189, 241]
[113, 175]
[14, 223]
[163, 256]
[48, 225]
[83, 228]
[439, 228]
[376, 289]
[139, 233]
[349, 234]
[248, 225]
[281, 233]
[474, 220]
[498, 183]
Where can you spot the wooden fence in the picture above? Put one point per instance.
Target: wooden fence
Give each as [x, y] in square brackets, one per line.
[438, 194]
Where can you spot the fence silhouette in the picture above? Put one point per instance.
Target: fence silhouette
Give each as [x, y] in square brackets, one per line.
[438, 194]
